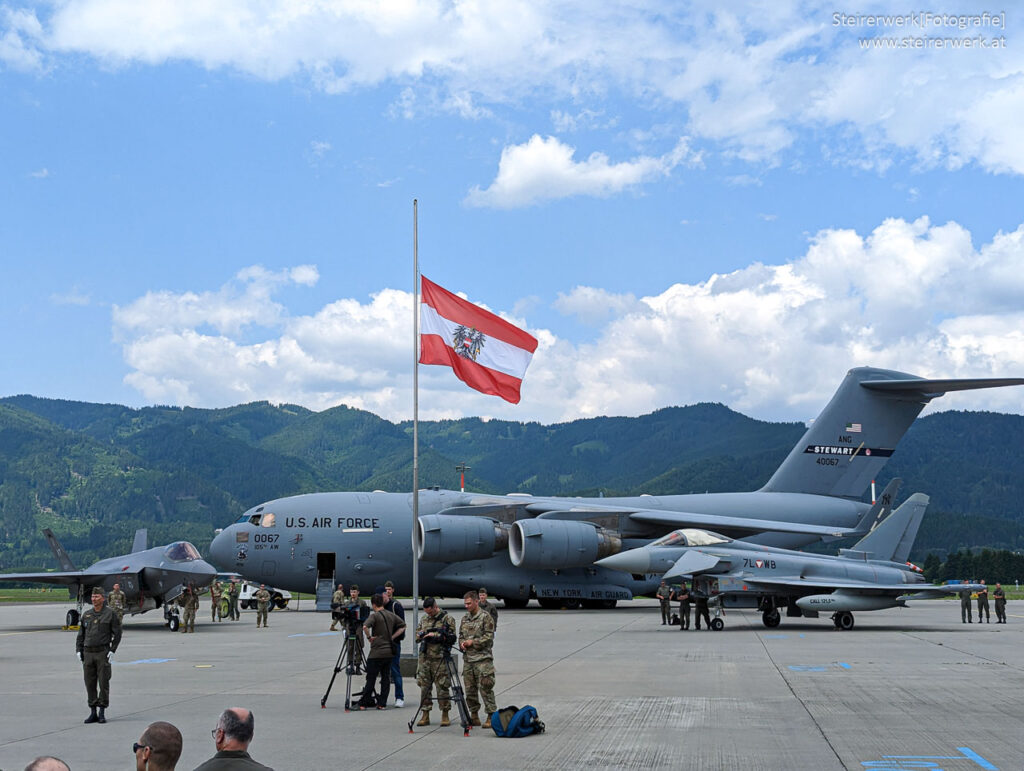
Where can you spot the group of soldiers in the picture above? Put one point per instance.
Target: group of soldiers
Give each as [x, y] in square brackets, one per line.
[998, 594]
[667, 595]
[224, 600]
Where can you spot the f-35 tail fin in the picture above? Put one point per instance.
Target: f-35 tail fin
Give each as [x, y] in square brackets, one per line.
[856, 433]
[141, 539]
[894, 538]
[58, 551]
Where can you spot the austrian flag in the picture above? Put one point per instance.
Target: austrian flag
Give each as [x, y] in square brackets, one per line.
[486, 352]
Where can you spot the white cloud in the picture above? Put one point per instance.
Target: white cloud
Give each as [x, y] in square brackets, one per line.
[545, 169]
[772, 341]
[20, 31]
[40, 173]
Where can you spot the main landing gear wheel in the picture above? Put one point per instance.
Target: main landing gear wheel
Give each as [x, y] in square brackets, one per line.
[173, 623]
[278, 601]
[515, 603]
[71, 619]
[717, 625]
[843, 620]
[771, 618]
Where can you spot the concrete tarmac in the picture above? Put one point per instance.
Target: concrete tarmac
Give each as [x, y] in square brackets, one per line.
[907, 688]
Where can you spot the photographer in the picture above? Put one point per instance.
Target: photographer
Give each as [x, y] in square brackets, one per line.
[382, 629]
[436, 633]
[356, 612]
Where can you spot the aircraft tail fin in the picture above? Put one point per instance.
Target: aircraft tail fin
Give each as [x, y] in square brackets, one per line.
[141, 539]
[894, 538]
[856, 433]
[58, 551]
[873, 517]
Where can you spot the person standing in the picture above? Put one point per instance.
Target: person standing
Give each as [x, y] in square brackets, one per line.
[683, 595]
[434, 627]
[476, 641]
[488, 606]
[159, 748]
[233, 589]
[382, 628]
[189, 605]
[702, 607]
[983, 603]
[664, 595]
[117, 602]
[1000, 597]
[99, 633]
[262, 598]
[390, 603]
[357, 609]
[966, 617]
[232, 737]
[337, 600]
[215, 592]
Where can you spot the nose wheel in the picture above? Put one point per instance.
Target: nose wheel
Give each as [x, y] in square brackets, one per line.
[771, 618]
[843, 620]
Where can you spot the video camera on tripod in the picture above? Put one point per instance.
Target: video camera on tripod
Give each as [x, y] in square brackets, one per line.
[352, 615]
[442, 636]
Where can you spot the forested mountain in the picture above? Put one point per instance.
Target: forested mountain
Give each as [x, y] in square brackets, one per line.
[95, 472]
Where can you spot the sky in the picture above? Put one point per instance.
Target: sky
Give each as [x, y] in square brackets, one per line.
[210, 202]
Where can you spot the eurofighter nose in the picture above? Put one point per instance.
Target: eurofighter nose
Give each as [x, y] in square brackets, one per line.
[632, 561]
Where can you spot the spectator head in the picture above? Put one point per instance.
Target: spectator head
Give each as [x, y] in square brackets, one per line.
[47, 763]
[159, 747]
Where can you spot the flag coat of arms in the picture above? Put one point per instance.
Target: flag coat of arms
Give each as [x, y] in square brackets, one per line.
[485, 351]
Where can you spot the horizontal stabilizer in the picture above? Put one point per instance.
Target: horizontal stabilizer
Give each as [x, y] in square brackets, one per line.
[691, 562]
[932, 388]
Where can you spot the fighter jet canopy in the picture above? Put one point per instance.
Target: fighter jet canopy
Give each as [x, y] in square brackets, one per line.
[181, 551]
[690, 536]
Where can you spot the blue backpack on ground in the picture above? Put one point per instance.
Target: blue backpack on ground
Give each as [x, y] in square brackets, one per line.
[514, 722]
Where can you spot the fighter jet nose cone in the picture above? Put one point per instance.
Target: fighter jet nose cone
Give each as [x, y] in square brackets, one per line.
[632, 561]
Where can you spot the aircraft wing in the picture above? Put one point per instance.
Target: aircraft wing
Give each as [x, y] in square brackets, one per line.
[921, 590]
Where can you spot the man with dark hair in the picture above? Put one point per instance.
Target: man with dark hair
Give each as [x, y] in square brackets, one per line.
[683, 596]
[435, 626]
[382, 628]
[232, 737]
[476, 641]
[47, 763]
[159, 748]
[1000, 598]
[664, 595]
[983, 603]
[99, 633]
[357, 607]
[488, 606]
[390, 603]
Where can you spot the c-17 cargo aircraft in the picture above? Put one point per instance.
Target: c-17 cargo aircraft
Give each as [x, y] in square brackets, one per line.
[522, 547]
[873, 575]
[149, 578]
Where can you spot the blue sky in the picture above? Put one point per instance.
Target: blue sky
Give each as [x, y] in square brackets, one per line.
[209, 203]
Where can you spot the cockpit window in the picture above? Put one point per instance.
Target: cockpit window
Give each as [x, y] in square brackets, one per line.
[689, 536]
[181, 551]
[269, 520]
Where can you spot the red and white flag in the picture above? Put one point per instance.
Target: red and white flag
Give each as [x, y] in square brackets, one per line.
[486, 352]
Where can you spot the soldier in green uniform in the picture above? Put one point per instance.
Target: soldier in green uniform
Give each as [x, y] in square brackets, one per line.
[116, 600]
[488, 606]
[476, 640]
[233, 589]
[99, 633]
[664, 595]
[337, 600]
[1000, 597]
[189, 603]
[215, 592]
[262, 598]
[683, 596]
[965, 605]
[434, 626]
[983, 604]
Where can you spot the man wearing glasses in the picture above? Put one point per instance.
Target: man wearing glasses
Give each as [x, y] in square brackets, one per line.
[232, 737]
[158, 749]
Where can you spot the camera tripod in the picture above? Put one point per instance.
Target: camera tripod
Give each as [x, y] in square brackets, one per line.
[352, 660]
[458, 694]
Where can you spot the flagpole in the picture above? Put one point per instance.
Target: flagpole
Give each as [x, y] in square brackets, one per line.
[415, 421]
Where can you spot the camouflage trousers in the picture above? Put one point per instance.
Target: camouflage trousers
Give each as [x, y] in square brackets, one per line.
[479, 675]
[214, 607]
[261, 613]
[188, 619]
[429, 672]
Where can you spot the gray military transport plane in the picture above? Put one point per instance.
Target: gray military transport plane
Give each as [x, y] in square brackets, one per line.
[149, 578]
[522, 547]
[873, 575]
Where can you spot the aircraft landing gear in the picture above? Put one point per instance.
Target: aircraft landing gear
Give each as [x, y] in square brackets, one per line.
[171, 617]
[843, 620]
[717, 625]
[515, 603]
[71, 619]
[771, 618]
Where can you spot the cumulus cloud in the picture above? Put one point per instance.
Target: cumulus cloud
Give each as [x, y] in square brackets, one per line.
[772, 341]
[545, 169]
[748, 82]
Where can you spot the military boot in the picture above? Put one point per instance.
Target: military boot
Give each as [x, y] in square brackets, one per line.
[425, 720]
[100, 717]
[93, 717]
[487, 722]
[334, 626]
[445, 720]
[474, 719]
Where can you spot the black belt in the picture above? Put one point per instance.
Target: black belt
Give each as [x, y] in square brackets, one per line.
[96, 648]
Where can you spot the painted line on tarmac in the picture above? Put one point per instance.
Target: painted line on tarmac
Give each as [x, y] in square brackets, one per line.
[141, 661]
[922, 761]
[315, 634]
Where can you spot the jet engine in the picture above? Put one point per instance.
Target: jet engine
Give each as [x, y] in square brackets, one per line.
[839, 601]
[447, 538]
[559, 543]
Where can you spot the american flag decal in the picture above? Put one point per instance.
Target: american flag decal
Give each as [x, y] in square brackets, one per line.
[853, 428]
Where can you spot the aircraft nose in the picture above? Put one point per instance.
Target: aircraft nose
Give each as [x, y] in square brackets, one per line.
[220, 548]
[632, 561]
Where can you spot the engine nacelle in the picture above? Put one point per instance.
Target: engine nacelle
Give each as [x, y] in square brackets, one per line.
[837, 602]
[447, 538]
[559, 543]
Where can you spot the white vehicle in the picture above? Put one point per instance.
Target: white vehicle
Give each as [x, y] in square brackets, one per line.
[279, 598]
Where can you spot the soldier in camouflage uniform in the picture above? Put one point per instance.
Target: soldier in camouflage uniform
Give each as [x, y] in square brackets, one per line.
[215, 592]
[262, 598]
[337, 601]
[189, 603]
[488, 606]
[233, 589]
[476, 640]
[117, 601]
[99, 633]
[431, 668]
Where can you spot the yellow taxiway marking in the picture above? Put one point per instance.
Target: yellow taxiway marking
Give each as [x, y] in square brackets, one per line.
[204, 666]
